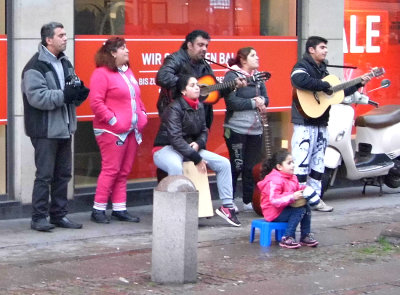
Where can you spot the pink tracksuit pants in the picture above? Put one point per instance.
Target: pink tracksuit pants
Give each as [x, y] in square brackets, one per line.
[116, 164]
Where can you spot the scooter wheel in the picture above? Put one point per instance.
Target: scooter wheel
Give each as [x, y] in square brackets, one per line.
[392, 181]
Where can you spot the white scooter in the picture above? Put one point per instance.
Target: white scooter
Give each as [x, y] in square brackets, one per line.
[376, 143]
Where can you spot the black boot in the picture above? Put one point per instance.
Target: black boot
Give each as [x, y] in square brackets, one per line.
[125, 216]
[99, 216]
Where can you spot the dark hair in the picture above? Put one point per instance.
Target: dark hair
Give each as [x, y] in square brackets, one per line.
[277, 158]
[193, 35]
[182, 82]
[47, 31]
[313, 42]
[104, 58]
[241, 53]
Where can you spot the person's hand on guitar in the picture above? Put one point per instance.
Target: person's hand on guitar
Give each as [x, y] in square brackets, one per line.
[260, 103]
[365, 78]
[240, 82]
[328, 88]
[202, 167]
[298, 195]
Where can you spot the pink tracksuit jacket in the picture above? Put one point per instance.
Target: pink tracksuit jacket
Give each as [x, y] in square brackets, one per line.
[277, 190]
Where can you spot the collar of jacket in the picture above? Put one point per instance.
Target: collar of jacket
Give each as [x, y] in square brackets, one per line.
[185, 105]
[321, 67]
[46, 56]
[238, 70]
[187, 57]
[284, 174]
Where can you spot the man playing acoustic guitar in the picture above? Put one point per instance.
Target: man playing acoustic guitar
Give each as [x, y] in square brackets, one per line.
[309, 138]
[188, 60]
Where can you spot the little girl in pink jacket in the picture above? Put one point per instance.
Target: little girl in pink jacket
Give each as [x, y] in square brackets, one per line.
[283, 199]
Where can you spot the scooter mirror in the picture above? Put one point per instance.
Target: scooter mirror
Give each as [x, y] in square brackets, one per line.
[385, 83]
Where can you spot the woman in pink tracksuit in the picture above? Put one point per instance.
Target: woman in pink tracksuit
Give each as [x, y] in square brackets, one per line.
[120, 117]
[279, 190]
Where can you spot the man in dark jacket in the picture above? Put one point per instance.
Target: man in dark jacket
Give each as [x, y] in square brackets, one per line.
[188, 60]
[310, 134]
[51, 91]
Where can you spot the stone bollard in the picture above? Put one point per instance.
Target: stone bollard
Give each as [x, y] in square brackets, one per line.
[175, 226]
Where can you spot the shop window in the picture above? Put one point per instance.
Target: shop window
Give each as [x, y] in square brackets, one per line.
[177, 17]
[140, 20]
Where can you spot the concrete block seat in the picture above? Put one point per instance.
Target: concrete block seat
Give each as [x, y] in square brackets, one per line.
[266, 228]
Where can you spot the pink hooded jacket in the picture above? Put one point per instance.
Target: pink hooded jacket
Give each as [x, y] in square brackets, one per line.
[277, 190]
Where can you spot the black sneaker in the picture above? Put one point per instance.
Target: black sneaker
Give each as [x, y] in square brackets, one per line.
[125, 216]
[99, 216]
[228, 214]
[309, 241]
[41, 225]
[289, 242]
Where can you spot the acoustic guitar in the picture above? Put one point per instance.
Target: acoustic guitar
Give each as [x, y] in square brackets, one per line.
[267, 153]
[210, 88]
[313, 104]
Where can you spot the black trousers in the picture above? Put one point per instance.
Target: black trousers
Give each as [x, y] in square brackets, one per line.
[53, 160]
[245, 153]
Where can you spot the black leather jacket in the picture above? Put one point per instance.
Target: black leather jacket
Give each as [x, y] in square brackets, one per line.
[181, 125]
[167, 76]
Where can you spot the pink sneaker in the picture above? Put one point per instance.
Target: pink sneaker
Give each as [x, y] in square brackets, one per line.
[228, 214]
[289, 242]
[309, 241]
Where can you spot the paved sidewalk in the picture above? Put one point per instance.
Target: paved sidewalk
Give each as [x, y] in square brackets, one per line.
[116, 258]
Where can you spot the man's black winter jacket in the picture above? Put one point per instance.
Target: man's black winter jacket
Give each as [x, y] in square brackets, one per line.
[307, 75]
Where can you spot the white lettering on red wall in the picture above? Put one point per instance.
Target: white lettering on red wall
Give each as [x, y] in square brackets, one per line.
[362, 35]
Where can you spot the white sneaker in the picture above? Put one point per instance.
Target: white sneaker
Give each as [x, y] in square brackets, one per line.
[248, 207]
[321, 206]
[235, 207]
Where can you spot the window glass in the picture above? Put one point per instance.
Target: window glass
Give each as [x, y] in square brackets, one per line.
[155, 28]
[178, 17]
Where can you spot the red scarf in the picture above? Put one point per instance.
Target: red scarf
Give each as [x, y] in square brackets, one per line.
[194, 104]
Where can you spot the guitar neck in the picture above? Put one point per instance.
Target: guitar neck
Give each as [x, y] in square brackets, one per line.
[224, 85]
[347, 84]
[220, 86]
[267, 152]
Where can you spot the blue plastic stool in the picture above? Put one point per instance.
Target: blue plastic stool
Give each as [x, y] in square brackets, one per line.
[265, 231]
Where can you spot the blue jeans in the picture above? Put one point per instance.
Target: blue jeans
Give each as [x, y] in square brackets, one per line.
[169, 160]
[293, 216]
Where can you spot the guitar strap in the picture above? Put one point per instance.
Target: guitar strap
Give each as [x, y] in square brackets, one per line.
[342, 67]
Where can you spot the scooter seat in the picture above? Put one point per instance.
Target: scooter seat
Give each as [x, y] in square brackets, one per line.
[381, 117]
